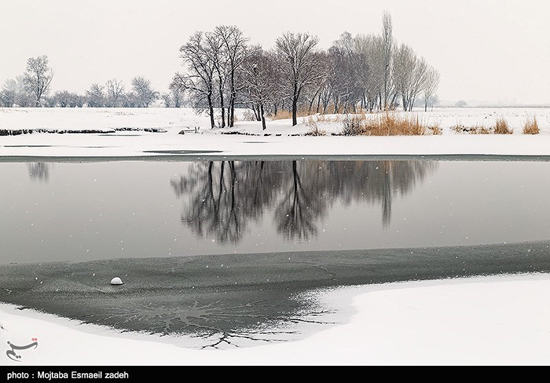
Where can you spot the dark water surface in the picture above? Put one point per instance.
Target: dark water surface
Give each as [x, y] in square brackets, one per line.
[107, 210]
[224, 250]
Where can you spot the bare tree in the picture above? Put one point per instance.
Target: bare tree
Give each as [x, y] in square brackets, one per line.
[297, 51]
[410, 75]
[405, 62]
[234, 47]
[387, 36]
[95, 96]
[431, 85]
[199, 78]
[419, 80]
[371, 73]
[143, 91]
[38, 77]
[344, 78]
[215, 51]
[115, 92]
[259, 76]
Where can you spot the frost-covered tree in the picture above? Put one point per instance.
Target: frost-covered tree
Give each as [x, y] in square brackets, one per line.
[38, 77]
[173, 98]
[14, 93]
[95, 96]
[387, 37]
[430, 86]
[66, 99]
[114, 90]
[8, 93]
[143, 92]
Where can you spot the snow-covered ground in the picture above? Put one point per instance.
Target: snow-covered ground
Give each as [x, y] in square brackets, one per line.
[280, 137]
[500, 320]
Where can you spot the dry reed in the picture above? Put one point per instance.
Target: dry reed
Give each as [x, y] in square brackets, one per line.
[387, 124]
[502, 127]
[531, 126]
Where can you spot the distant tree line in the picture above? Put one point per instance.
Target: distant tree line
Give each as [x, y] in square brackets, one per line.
[32, 89]
[365, 72]
[223, 71]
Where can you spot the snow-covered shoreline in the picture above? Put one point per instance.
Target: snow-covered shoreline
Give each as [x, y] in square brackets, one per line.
[480, 320]
[280, 138]
[498, 320]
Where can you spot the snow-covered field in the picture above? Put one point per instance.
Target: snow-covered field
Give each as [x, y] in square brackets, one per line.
[500, 320]
[278, 139]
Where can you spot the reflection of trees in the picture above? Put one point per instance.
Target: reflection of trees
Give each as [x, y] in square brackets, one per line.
[39, 171]
[225, 196]
[300, 207]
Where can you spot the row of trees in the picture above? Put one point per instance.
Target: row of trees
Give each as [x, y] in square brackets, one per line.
[370, 72]
[113, 94]
[33, 87]
[223, 71]
[30, 88]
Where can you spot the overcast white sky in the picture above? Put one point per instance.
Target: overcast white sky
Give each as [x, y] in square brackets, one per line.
[485, 50]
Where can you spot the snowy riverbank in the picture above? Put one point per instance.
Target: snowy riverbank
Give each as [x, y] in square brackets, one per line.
[123, 133]
[502, 320]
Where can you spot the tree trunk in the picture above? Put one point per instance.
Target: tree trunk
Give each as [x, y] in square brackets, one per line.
[231, 112]
[294, 111]
[295, 97]
[211, 110]
[318, 103]
[222, 106]
[232, 100]
[263, 116]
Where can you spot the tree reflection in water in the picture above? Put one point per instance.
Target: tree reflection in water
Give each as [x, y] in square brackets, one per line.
[39, 171]
[225, 196]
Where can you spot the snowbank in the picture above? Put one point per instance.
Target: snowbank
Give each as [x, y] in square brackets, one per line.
[502, 320]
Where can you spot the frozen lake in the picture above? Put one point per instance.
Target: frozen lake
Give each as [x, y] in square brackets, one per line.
[63, 211]
[228, 250]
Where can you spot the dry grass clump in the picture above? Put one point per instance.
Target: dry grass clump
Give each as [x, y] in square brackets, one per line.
[435, 130]
[502, 127]
[531, 126]
[387, 124]
[329, 118]
[482, 130]
[353, 125]
[314, 129]
[476, 129]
